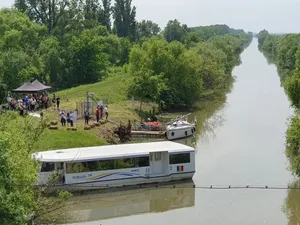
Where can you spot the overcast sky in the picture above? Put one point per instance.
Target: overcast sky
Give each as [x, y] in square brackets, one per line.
[252, 15]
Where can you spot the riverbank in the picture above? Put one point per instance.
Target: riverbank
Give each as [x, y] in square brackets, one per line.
[120, 111]
[214, 61]
[284, 52]
[238, 153]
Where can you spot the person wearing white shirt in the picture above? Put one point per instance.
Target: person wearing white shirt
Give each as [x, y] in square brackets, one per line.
[106, 111]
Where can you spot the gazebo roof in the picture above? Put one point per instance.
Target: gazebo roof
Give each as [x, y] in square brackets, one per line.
[35, 86]
[40, 86]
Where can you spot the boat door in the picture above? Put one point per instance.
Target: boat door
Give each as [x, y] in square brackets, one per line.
[159, 163]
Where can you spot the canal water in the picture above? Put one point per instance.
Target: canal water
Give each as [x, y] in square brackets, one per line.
[246, 147]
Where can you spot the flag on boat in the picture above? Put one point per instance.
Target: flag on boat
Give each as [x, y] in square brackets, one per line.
[180, 168]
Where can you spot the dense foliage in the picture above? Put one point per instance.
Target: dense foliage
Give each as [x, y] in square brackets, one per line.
[68, 43]
[174, 76]
[207, 32]
[20, 201]
[284, 50]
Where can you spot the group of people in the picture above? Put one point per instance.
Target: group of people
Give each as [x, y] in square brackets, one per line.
[99, 113]
[68, 119]
[28, 103]
[33, 101]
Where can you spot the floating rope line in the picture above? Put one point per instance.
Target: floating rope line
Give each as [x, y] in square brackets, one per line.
[169, 186]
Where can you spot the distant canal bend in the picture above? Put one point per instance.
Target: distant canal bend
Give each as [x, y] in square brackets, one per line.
[248, 149]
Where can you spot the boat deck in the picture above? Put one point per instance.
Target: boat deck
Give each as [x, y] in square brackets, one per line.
[146, 133]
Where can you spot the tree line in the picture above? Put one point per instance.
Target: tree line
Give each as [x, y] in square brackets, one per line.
[66, 43]
[175, 76]
[284, 51]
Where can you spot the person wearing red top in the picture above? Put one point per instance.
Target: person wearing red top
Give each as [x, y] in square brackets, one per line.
[97, 114]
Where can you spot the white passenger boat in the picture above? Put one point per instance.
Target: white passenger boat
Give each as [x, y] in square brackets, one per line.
[115, 165]
[180, 128]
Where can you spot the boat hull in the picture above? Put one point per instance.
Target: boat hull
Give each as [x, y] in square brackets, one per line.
[180, 132]
[130, 182]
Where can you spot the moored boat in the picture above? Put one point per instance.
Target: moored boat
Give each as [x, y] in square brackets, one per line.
[115, 165]
[180, 128]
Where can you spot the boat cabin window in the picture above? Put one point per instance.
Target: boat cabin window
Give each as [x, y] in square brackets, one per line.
[100, 165]
[179, 158]
[48, 167]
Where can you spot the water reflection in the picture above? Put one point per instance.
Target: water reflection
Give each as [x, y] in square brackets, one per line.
[190, 141]
[209, 117]
[292, 206]
[119, 204]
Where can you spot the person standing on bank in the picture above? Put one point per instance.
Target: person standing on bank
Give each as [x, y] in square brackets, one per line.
[63, 118]
[86, 116]
[71, 118]
[101, 111]
[106, 112]
[58, 102]
[97, 114]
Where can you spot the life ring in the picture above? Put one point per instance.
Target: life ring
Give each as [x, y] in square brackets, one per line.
[186, 133]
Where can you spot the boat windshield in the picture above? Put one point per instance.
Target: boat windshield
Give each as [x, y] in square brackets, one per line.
[180, 123]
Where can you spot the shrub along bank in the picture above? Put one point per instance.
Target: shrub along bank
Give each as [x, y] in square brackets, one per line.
[284, 51]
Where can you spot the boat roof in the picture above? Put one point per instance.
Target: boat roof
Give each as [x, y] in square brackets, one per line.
[109, 151]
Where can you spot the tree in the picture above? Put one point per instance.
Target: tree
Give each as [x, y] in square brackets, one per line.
[50, 54]
[147, 28]
[262, 35]
[231, 46]
[20, 201]
[192, 39]
[160, 68]
[105, 14]
[213, 68]
[45, 12]
[147, 87]
[16, 68]
[124, 19]
[293, 143]
[19, 43]
[125, 50]
[174, 31]
[87, 61]
[292, 86]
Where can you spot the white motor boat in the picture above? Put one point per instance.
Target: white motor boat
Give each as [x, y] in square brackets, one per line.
[180, 129]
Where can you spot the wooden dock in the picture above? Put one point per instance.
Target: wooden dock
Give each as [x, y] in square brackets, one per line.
[146, 133]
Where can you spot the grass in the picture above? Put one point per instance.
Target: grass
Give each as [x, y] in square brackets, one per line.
[61, 139]
[113, 90]
[121, 109]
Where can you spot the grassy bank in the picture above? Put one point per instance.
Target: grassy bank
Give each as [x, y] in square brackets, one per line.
[61, 139]
[114, 90]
